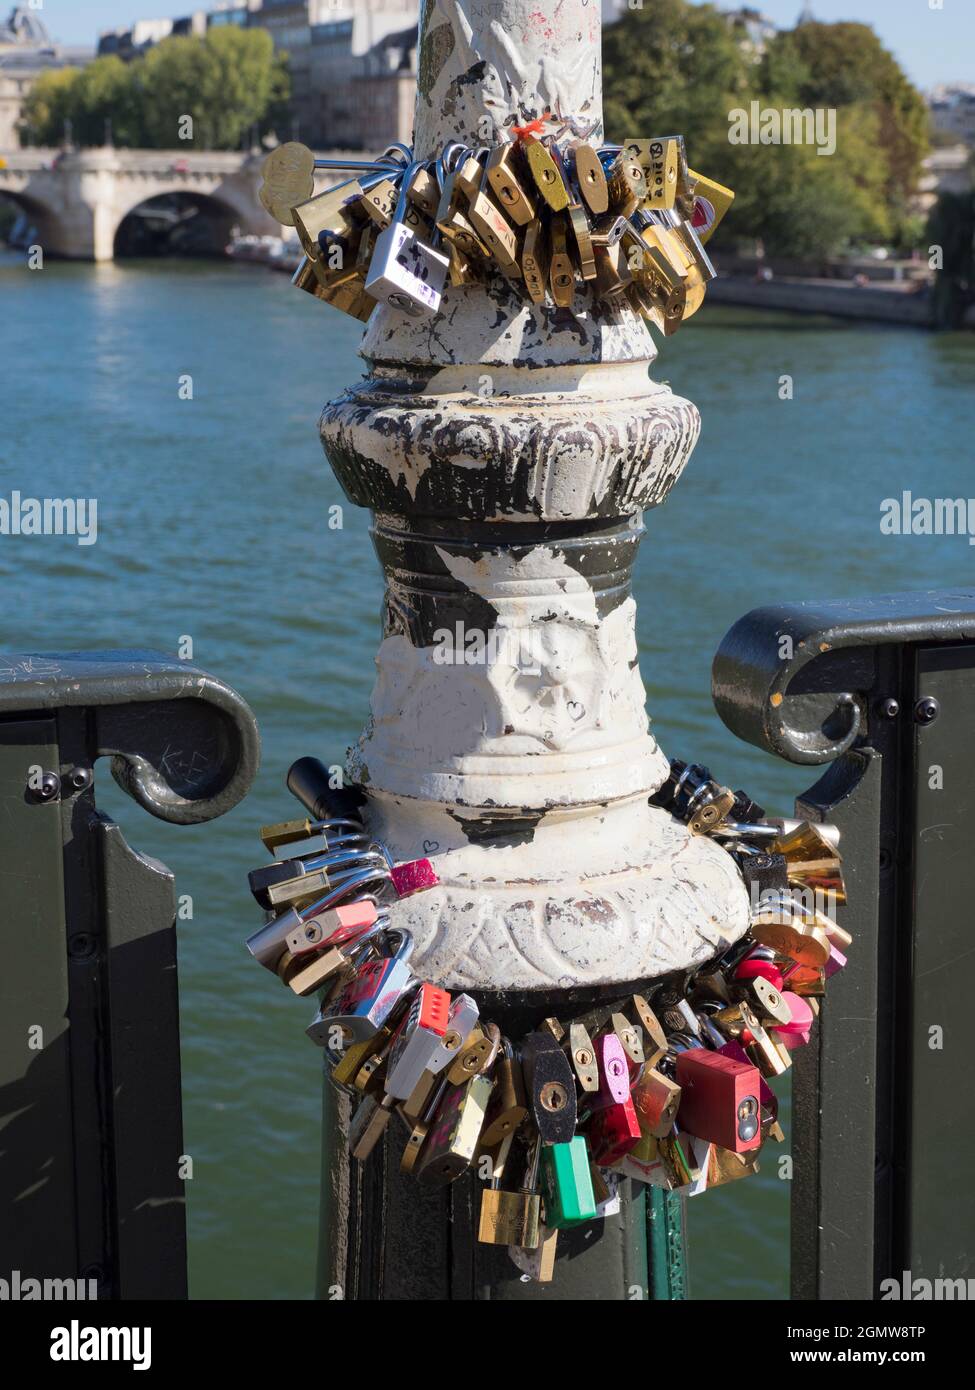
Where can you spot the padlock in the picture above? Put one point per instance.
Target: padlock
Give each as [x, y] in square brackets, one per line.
[495, 232]
[627, 184]
[538, 1265]
[512, 1218]
[469, 176]
[420, 1125]
[406, 273]
[661, 158]
[354, 1058]
[349, 299]
[365, 1002]
[813, 862]
[461, 1020]
[779, 922]
[768, 1100]
[724, 1166]
[719, 1100]
[454, 1132]
[656, 1100]
[333, 927]
[762, 872]
[553, 1026]
[613, 1131]
[312, 783]
[630, 1035]
[579, 227]
[288, 180]
[283, 834]
[768, 1003]
[508, 1105]
[508, 185]
[549, 1087]
[753, 967]
[475, 1057]
[653, 1039]
[561, 269]
[329, 214]
[535, 262]
[795, 1033]
[377, 202]
[613, 275]
[609, 231]
[582, 1054]
[370, 1078]
[327, 968]
[805, 980]
[413, 877]
[711, 201]
[606, 1190]
[368, 1125]
[546, 174]
[590, 177]
[423, 192]
[567, 1184]
[418, 1040]
[614, 1074]
[459, 233]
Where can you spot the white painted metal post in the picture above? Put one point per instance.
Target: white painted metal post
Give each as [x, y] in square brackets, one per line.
[508, 451]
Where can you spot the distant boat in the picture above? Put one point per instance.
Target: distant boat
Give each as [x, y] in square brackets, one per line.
[280, 253]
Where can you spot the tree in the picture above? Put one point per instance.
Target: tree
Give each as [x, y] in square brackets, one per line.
[673, 66]
[48, 106]
[226, 82]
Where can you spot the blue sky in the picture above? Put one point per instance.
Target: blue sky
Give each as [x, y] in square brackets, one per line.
[932, 45]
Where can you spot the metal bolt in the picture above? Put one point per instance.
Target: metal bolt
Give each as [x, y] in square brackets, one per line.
[81, 945]
[890, 708]
[49, 789]
[926, 710]
[80, 778]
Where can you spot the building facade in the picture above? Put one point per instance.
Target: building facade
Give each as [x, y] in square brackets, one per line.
[27, 50]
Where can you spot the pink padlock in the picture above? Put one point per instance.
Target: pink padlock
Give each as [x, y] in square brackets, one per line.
[413, 876]
[796, 1032]
[751, 969]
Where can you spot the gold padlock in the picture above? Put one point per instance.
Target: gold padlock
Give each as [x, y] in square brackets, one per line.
[579, 225]
[716, 200]
[289, 179]
[328, 212]
[512, 1218]
[378, 203]
[613, 276]
[424, 192]
[507, 186]
[546, 174]
[535, 262]
[627, 184]
[662, 159]
[561, 269]
[591, 178]
[496, 233]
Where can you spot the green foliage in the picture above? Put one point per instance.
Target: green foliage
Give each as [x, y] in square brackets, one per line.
[228, 82]
[48, 105]
[673, 66]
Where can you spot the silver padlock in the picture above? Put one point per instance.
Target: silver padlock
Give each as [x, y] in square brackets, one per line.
[417, 1041]
[361, 1008]
[269, 942]
[461, 1019]
[406, 273]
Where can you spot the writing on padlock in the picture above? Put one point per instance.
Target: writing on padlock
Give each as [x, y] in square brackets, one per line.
[413, 877]
[454, 1132]
[363, 1005]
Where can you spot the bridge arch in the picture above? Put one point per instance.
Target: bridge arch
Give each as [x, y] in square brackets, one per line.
[177, 218]
[49, 229]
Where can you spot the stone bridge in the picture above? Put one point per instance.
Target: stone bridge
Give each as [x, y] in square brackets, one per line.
[78, 200]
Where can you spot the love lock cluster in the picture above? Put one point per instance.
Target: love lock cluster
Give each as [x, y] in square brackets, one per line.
[630, 220]
[668, 1086]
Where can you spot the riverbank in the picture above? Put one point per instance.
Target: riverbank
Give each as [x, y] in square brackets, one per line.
[904, 304]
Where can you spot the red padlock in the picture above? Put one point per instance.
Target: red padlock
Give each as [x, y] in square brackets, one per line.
[613, 1132]
[719, 1100]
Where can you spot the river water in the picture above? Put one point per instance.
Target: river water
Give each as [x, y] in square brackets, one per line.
[212, 521]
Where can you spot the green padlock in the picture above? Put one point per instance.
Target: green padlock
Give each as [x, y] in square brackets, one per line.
[569, 1198]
